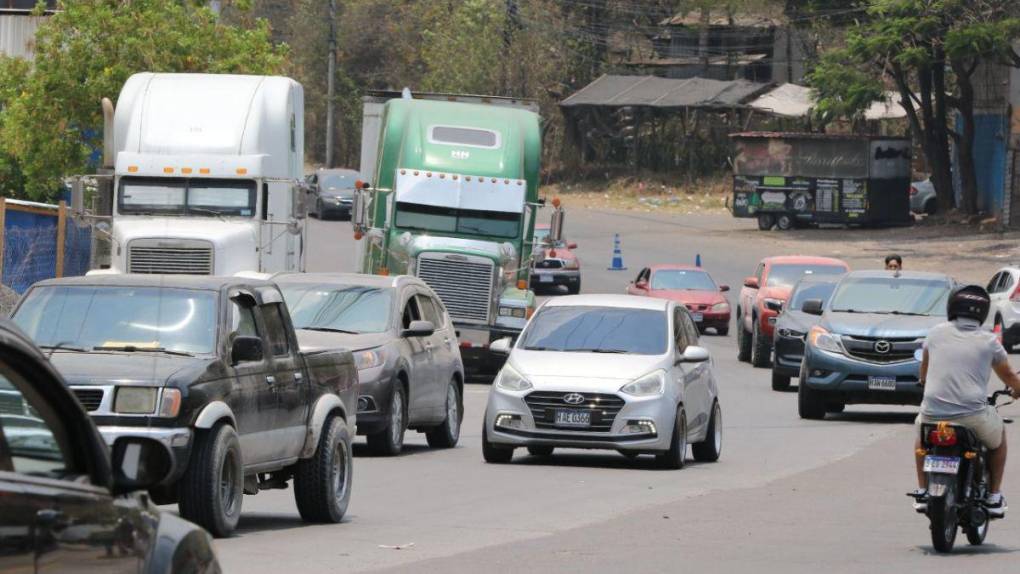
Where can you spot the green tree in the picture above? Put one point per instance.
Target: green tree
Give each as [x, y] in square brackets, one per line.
[86, 51]
[13, 72]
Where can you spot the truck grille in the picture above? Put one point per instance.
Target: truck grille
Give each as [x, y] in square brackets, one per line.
[868, 349]
[89, 398]
[543, 405]
[184, 259]
[464, 285]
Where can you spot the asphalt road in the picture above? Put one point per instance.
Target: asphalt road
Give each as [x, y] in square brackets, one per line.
[786, 496]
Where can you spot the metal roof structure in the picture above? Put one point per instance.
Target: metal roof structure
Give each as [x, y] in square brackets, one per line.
[793, 101]
[652, 91]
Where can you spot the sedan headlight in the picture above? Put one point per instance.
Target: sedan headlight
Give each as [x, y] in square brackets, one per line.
[518, 312]
[649, 385]
[824, 340]
[136, 400]
[721, 307]
[368, 359]
[511, 380]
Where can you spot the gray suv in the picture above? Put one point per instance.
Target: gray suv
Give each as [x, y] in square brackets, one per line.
[864, 349]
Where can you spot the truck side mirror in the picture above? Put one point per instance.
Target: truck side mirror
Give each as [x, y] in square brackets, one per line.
[751, 282]
[556, 227]
[359, 209]
[812, 307]
[246, 350]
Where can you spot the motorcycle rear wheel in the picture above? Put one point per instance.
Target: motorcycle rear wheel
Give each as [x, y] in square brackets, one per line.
[943, 518]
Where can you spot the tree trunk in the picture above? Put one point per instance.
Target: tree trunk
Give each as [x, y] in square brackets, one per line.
[965, 144]
[706, 22]
[940, 164]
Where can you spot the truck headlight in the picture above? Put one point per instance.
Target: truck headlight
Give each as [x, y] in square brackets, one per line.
[773, 304]
[135, 400]
[518, 312]
[169, 403]
[511, 380]
[824, 340]
[649, 385]
[572, 265]
[791, 333]
[368, 359]
[721, 307]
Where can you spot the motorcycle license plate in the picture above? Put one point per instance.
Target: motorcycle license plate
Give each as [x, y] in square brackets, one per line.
[572, 418]
[882, 383]
[942, 464]
[698, 317]
[545, 278]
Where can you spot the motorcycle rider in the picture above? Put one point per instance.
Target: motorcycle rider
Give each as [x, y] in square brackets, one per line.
[958, 359]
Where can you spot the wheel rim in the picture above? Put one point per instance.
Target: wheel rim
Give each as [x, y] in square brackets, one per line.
[397, 419]
[453, 411]
[717, 415]
[340, 470]
[228, 484]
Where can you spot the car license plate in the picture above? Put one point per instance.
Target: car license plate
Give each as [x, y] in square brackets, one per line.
[698, 317]
[882, 383]
[572, 418]
[942, 464]
[545, 278]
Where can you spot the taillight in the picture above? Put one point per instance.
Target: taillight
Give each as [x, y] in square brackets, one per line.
[913, 191]
[1015, 297]
[943, 435]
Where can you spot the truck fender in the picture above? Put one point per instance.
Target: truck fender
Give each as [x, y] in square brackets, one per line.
[213, 413]
[324, 406]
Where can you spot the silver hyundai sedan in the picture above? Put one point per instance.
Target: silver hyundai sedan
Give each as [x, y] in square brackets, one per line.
[605, 372]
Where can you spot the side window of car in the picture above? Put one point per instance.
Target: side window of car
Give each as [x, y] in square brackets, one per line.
[428, 311]
[680, 331]
[276, 332]
[31, 436]
[994, 282]
[1007, 282]
[691, 328]
[410, 312]
[242, 319]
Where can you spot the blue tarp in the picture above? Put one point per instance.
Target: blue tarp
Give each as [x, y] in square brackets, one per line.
[989, 159]
[30, 248]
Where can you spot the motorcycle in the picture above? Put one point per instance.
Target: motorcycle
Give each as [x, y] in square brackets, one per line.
[956, 467]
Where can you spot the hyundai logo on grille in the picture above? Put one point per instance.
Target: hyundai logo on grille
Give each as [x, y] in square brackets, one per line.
[883, 347]
[573, 398]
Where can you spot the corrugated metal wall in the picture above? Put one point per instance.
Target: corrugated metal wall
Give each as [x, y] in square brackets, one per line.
[17, 34]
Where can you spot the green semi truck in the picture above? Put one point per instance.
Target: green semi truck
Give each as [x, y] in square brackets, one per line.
[453, 200]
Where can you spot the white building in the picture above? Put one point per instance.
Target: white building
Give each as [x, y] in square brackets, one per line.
[18, 26]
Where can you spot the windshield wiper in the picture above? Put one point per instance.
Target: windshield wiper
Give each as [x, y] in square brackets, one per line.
[136, 349]
[907, 313]
[330, 330]
[538, 349]
[610, 351]
[209, 211]
[845, 311]
[63, 347]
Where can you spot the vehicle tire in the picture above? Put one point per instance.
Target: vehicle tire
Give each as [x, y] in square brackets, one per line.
[761, 347]
[976, 534]
[722, 331]
[447, 433]
[810, 405]
[390, 440]
[780, 382]
[766, 221]
[1007, 341]
[540, 450]
[212, 487]
[676, 456]
[318, 209]
[709, 449]
[492, 453]
[835, 408]
[574, 289]
[943, 520]
[743, 341]
[785, 222]
[931, 207]
[322, 483]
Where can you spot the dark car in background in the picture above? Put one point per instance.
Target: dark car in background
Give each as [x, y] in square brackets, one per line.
[409, 366]
[792, 327]
[864, 349]
[334, 193]
[64, 504]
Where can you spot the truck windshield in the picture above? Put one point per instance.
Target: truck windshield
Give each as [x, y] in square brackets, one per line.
[577, 329]
[179, 196]
[339, 308]
[90, 317]
[451, 220]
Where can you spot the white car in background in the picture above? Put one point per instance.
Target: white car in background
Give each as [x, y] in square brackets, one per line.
[614, 372]
[1004, 316]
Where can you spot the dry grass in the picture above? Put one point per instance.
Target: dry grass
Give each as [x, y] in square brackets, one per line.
[645, 194]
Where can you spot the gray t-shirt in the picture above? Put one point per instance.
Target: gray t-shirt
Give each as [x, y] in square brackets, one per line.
[960, 359]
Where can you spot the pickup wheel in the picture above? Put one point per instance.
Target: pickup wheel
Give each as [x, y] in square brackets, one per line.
[743, 340]
[761, 347]
[212, 487]
[322, 484]
[390, 440]
[447, 433]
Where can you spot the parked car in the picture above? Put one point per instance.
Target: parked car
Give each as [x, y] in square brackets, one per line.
[210, 368]
[605, 372]
[409, 365]
[64, 503]
[691, 287]
[864, 349]
[763, 296]
[334, 193]
[560, 266]
[922, 197]
[792, 327]
[1004, 316]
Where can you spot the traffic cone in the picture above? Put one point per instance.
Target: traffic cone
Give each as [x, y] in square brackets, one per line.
[697, 260]
[617, 264]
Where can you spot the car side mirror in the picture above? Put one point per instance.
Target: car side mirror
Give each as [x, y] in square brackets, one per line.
[724, 288]
[812, 307]
[571, 246]
[642, 285]
[501, 346]
[751, 282]
[246, 350]
[418, 329]
[139, 464]
[694, 354]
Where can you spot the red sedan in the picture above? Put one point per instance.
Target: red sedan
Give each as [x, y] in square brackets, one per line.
[690, 286]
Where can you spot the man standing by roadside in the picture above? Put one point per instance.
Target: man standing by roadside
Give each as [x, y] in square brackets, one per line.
[893, 262]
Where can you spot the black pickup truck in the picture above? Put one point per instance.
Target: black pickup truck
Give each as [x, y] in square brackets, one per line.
[209, 367]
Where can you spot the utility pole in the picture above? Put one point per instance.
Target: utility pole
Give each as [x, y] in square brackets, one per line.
[330, 82]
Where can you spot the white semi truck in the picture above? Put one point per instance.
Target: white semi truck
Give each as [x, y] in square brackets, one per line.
[207, 173]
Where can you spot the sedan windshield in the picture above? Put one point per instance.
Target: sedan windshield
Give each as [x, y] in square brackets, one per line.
[597, 330]
[683, 279]
[336, 182]
[174, 196]
[894, 295]
[120, 318]
[807, 291]
[786, 275]
[338, 308]
[450, 220]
